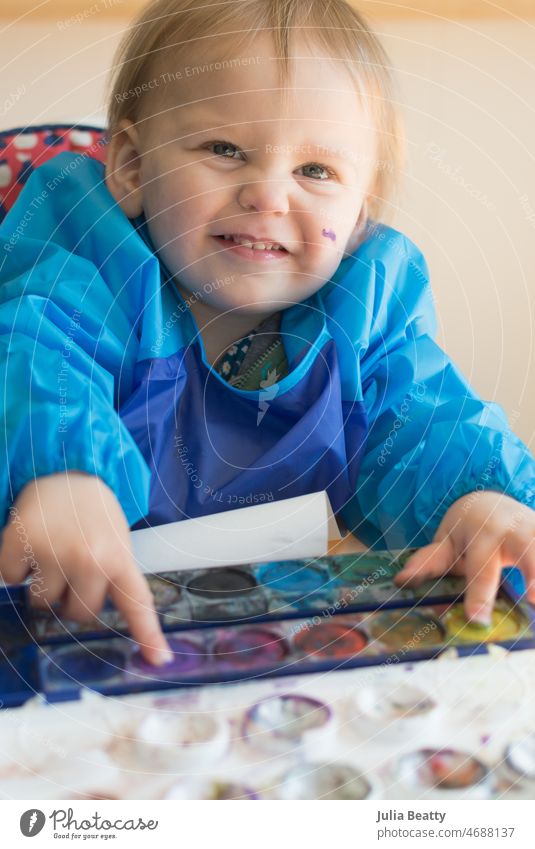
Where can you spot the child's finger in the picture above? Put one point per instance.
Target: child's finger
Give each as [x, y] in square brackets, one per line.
[132, 597]
[521, 552]
[85, 598]
[47, 584]
[428, 562]
[483, 568]
[15, 563]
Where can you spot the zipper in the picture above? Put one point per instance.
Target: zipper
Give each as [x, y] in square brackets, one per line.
[256, 365]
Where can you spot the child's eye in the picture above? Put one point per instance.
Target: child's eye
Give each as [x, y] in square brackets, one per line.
[220, 148]
[315, 168]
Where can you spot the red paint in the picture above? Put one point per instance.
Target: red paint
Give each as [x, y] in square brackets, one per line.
[331, 640]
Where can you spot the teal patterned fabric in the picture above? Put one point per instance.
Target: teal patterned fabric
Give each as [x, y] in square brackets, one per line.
[258, 360]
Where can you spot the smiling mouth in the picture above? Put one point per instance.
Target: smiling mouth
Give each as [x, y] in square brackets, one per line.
[247, 242]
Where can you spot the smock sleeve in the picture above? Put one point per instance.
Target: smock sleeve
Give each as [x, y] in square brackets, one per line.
[66, 343]
[431, 439]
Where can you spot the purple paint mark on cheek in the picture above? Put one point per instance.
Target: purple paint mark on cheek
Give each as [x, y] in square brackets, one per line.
[329, 234]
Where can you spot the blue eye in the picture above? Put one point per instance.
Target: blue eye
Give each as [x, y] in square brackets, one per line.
[227, 150]
[327, 171]
[224, 145]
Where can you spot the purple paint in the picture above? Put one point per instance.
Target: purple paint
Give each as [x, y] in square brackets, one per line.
[85, 663]
[250, 647]
[329, 234]
[186, 656]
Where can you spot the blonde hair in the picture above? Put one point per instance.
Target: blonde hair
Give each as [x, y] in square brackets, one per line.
[333, 25]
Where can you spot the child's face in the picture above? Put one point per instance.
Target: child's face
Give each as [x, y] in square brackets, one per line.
[231, 160]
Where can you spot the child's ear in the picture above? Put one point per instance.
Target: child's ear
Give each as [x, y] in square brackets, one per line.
[123, 164]
[359, 229]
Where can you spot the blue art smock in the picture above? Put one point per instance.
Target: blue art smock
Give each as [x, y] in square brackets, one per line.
[103, 370]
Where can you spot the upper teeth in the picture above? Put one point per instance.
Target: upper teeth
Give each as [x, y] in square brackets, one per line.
[259, 246]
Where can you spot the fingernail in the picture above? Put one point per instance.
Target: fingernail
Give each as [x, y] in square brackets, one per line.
[164, 656]
[482, 615]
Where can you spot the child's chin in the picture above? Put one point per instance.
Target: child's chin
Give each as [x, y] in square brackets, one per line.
[248, 305]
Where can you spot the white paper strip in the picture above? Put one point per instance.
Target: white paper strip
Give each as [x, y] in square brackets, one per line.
[278, 530]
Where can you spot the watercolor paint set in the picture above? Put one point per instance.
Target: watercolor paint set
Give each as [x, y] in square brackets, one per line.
[248, 622]
[265, 592]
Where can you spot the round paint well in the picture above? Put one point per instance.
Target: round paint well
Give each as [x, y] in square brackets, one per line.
[330, 639]
[395, 629]
[442, 769]
[214, 790]
[215, 584]
[164, 593]
[520, 756]
[504, 625]
[225, 790]
[82, 664]
[292, 577]
[324, 781]
[278, 720]
[174, 740]
[392, 709]
[187, 656]
[250, 647]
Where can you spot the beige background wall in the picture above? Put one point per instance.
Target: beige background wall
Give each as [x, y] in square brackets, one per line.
[468, 90]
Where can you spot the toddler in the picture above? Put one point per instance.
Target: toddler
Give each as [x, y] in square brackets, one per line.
[232, 324]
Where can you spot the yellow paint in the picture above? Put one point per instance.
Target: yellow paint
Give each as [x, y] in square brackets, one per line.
[505, 624]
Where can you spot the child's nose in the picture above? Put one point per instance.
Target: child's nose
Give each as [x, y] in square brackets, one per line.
[265, 196]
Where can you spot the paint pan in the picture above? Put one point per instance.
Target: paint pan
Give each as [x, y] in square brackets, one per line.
[350, 569]
[288, 723]
[407, 630]
[85, 663]
[331, 640]
[187, 656]
[437, 773]
[229, 595]
[243, 648]
[217, 583]
[325, 781]
[293, 578]
[506, 624]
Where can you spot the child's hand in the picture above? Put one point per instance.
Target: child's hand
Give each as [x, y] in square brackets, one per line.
[480, 533]
[69, 531]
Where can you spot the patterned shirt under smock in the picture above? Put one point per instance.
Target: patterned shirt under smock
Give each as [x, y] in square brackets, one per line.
[258, 360]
